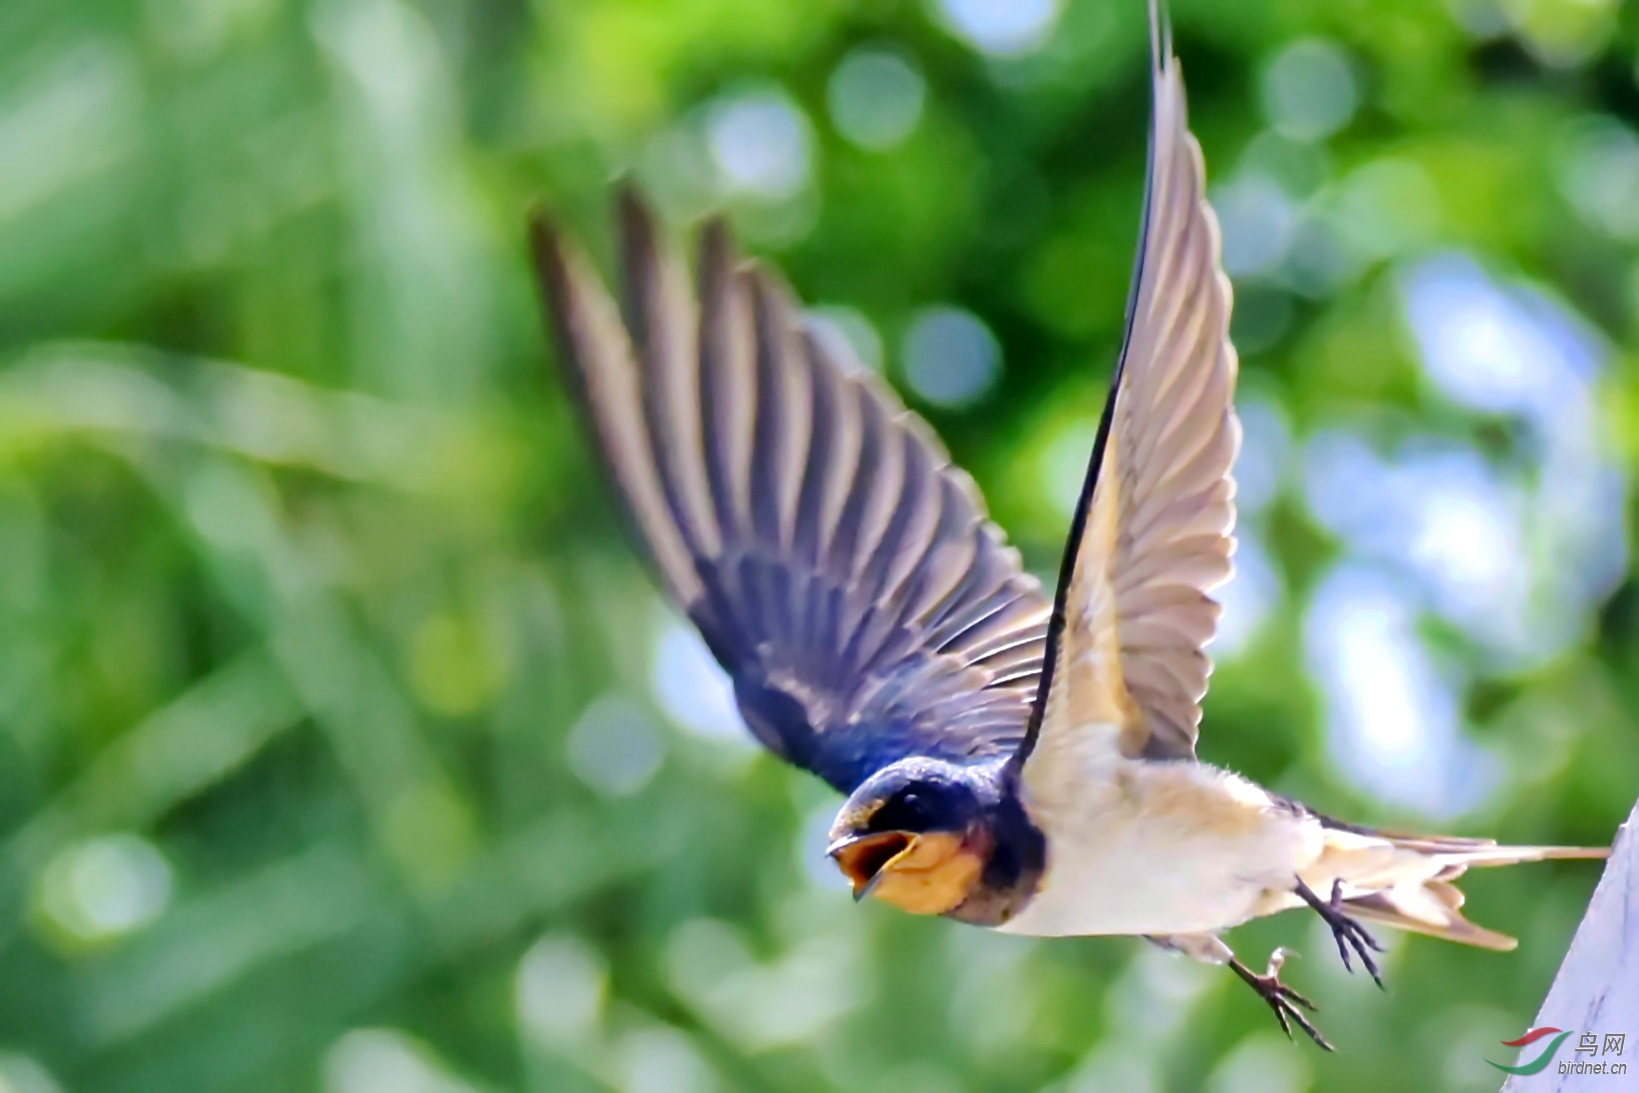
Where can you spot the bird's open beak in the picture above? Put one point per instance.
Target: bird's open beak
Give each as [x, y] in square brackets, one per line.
[864, 858]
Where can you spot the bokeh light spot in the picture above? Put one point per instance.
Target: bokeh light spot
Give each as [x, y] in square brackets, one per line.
[1249, 597]
[1596, 165]
[1562, 33]
[455, 665]
[105, 887]
[1309, 90]
[614, 746]
[663, 1060]
[851, 338]
[692, 687]
[22, 1074]
[951, 357]
[559, 991]
[1005, 28]
[430, 829]
[761, 1005]
[1262, 1063]
[1256, 219]
[760, 144]
[1388, 206]
[385, 1061]
[875, 98]
[1266, 444]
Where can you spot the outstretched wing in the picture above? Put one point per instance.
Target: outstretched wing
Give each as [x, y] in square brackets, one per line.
[1126, 668]
[837, 565]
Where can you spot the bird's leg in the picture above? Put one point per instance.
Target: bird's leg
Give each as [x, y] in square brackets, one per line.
[1281, 998]
[1210, 949]
[1345, 929]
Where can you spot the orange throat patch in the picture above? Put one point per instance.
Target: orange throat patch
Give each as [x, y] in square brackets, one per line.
[924, 874]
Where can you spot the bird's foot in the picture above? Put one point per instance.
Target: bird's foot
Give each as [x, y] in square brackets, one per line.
[1347, 930]
[1282, 999]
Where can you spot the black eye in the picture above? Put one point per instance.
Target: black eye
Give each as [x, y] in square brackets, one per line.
[905, 811]
[910, 808]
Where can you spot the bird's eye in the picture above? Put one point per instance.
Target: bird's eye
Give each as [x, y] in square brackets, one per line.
[910, 808]
[907, 810]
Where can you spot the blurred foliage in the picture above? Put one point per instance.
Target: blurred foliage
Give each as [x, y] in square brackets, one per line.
[333, 752]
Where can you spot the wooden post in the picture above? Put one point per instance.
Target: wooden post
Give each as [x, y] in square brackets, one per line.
[1597, 988]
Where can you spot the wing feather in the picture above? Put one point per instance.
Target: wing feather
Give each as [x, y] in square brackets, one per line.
[837, 565]
[725, 402]
[1126, 667]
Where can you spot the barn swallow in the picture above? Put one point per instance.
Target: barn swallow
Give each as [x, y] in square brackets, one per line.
[1009, 760]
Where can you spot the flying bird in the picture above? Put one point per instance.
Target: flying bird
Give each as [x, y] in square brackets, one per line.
[1010, 760]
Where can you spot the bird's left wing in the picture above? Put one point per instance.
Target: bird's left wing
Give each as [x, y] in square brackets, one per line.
[837, 565]
[1126, 668]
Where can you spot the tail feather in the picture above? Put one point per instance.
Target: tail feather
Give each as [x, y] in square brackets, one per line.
[1462, 854]
[1485, 856]
[1405, 880]
[1430, 908]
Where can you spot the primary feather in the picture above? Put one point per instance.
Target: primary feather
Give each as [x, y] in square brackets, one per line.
[1152, 534]
[839, 567]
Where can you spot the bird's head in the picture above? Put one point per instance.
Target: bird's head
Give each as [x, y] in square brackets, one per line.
[914, 835]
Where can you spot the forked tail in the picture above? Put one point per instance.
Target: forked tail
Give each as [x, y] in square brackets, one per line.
[1410, 878]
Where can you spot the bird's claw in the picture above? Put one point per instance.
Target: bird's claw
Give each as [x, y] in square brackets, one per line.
[1283, 1000]
[1346, 929]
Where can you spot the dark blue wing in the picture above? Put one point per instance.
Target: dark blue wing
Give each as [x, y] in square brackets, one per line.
[837, 565]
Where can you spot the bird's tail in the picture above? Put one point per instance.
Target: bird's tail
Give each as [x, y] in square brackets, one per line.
[1407, 881]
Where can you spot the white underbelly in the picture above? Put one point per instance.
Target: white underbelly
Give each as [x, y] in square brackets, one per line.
[1135, 888]
[1183, 853]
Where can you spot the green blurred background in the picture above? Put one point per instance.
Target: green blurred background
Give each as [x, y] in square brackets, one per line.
[345, 746]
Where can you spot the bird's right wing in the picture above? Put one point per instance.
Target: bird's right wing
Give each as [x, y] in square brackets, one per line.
[1126, 666]
[838, 567]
